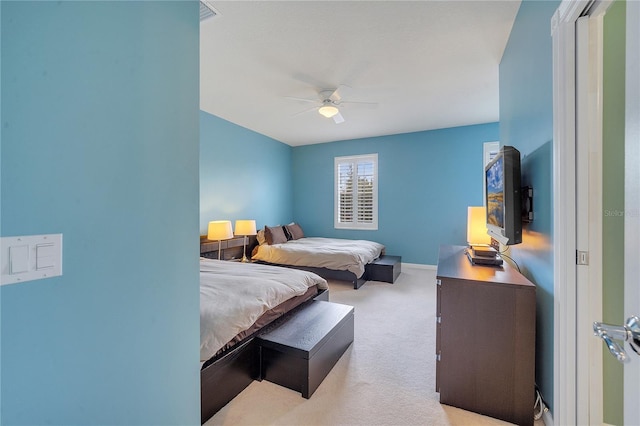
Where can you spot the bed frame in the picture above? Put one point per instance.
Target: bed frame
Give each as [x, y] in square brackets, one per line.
[232, 249]
[223, 379]
[227, 376]
[328, 274]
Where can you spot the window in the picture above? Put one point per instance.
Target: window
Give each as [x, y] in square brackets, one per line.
[356, 192]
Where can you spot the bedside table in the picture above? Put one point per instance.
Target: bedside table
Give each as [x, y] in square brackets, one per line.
[231, 249]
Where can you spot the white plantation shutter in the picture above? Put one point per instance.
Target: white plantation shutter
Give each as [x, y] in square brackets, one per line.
[356, 192]
[345, 191]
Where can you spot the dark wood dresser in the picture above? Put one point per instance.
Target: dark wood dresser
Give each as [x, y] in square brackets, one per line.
[485, 340]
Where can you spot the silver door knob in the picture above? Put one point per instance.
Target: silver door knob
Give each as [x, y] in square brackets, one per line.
[629, 332]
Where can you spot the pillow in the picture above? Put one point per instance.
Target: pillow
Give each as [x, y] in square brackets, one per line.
[295, 231]
[260, 237]
[274, 235]
[287, 233]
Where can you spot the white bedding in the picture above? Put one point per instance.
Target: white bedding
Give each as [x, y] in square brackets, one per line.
[332, 253]
[234, 295]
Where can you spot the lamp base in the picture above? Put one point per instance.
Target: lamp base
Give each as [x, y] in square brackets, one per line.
[244, 250]
[483, 250]
[476, 259]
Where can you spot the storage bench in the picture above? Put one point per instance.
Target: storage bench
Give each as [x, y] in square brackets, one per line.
[298, 351]
[385, 268]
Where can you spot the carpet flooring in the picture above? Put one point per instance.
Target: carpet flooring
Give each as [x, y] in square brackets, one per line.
[386, 377]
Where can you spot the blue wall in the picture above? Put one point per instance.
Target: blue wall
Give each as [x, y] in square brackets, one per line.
[526, 122]
[1, 138]
[1, 126]
[426, 182]
[243, 175]
[100, 142]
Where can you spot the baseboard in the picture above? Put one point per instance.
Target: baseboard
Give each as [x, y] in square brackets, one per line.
[419, 266]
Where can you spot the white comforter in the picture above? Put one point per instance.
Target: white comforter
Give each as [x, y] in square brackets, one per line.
[233, 295]
[331, 253]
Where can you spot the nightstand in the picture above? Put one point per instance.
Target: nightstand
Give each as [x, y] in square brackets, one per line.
[231, 249]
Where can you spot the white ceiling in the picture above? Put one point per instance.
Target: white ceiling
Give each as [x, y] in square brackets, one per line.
[427, 64]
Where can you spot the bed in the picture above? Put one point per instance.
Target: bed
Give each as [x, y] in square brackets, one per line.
[331, 258]
[236, 301]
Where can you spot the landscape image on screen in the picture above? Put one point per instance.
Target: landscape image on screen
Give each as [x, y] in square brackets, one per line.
[495, 194]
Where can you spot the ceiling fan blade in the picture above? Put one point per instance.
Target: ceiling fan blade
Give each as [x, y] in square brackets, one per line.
[315, 108]
[361, 104]
[338, 118]
[315, 101]
[340, 93]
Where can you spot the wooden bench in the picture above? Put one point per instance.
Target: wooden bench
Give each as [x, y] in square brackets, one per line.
[385, 268]
[299, 350]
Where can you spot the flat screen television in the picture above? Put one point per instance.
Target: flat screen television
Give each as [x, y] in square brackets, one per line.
[503, 197]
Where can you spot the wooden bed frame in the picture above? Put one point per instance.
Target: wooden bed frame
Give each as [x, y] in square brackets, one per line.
[328, 274]
[227, 376]
[232, 249]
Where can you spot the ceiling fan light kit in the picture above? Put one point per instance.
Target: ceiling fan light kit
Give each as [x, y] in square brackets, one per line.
[328, 110]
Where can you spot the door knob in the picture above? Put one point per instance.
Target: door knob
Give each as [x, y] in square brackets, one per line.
[633, 324]
[629, 332]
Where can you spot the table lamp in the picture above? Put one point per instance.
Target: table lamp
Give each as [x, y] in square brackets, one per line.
[219, 230]
[480, 250]
[477, 227]
[244, 228]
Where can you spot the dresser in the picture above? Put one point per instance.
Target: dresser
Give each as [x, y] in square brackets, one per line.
[485, 338]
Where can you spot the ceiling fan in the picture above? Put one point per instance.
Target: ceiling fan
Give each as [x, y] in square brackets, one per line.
[329, 102]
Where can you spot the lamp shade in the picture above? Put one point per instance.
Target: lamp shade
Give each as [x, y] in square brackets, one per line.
[477, 226]
[220, 230]
[245, 227]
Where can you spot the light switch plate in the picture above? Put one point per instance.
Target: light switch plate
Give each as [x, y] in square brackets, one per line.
[31, 257]
[19, 259]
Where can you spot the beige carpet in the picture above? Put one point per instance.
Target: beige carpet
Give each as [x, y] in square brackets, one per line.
[386, 377]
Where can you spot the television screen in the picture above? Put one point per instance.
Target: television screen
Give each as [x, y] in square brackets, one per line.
[495, 193]
[503, 197]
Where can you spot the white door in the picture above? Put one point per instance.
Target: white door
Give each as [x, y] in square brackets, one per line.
[620, 223]
[579, 289]
[632, 204]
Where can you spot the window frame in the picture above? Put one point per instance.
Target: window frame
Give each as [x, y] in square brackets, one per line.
[355, 159]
